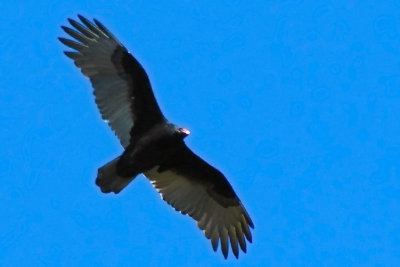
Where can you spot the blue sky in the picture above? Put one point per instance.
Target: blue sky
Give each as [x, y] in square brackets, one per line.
[296, 102]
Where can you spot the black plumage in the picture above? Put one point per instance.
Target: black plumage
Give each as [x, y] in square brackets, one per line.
[153, 146]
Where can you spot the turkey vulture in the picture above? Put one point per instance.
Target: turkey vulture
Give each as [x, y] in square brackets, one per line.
[152, 145]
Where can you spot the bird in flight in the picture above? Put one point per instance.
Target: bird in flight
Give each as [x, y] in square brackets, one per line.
[152, 145]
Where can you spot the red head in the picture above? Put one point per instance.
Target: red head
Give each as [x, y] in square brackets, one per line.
[184, 132]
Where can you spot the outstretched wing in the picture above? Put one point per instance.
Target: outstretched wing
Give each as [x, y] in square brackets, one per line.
[121, 86]
[194, 187]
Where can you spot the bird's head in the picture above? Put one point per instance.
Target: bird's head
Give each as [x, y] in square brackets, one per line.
[183, 132]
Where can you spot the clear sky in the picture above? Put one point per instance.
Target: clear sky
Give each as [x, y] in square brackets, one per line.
[296, 102]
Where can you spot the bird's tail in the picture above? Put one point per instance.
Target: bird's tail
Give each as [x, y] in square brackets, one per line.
[109, 181]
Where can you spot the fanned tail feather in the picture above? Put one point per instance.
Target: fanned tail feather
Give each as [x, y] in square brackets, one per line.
[108, 179]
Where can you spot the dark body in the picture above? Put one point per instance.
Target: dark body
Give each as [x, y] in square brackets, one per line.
[152, 145]
[153, 148]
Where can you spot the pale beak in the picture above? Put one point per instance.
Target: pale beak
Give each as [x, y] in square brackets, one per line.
[185, 131]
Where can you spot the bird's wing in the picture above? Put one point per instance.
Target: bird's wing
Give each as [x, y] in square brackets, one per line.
[121, 86]
[194, 187]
